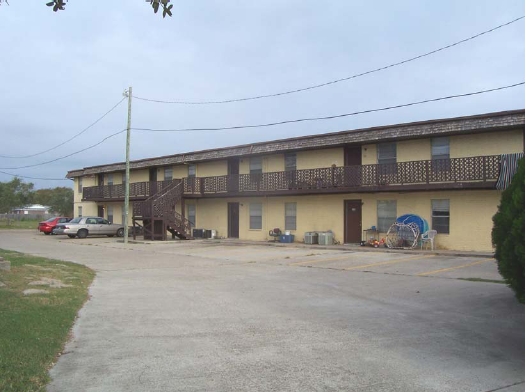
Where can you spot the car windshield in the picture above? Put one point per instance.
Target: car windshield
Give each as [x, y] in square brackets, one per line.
[75, 220]
[50, 220]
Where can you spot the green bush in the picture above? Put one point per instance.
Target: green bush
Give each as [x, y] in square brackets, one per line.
[508, 234]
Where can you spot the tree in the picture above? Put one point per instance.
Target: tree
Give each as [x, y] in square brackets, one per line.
[43, 196]
[15, 193]
[61, 201]
[60, 5]
[508, 234]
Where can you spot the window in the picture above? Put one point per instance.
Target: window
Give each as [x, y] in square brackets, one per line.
[110, 214]
[256, 216]
[79, 211]
[256, 165]
[168, 174]
[110, 179]
[386, 153]
[440, 154]
[440, 148]
[440, 215]
[192, 169]
[290, 216]
[79, 184]
[290, 161]
[387, 158]
[124, 178]
[191, 214]
[386, 213]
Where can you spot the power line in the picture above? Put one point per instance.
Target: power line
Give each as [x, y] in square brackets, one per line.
[65, 156]
[183, 102]
[35, 178]
[328, 117]
[268, 124]
[70, 139]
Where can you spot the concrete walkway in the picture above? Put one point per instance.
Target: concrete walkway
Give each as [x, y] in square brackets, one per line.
[209, 316]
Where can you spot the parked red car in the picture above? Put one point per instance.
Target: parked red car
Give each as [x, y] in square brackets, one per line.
[47, 226]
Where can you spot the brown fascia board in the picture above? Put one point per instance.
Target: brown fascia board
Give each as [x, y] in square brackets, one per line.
[441, 127]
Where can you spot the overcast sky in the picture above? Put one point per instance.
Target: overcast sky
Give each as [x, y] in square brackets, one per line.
[59, 72]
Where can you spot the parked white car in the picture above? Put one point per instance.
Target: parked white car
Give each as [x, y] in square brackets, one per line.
[89, 225]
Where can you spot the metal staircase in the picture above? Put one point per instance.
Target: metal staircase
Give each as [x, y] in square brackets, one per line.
[159, 216]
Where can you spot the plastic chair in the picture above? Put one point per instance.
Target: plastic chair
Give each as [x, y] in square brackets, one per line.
[428, 237]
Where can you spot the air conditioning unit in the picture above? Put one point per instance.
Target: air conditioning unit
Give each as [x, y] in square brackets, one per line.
[209, 233]
[325, 238]
[311, 238]
[198, 233]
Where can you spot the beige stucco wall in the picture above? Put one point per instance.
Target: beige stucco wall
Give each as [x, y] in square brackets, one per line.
[369, 154]
[139, 175]
[413, 150]
[319, 158]
[470, 215]
[273, 163]
[493, 143]
[86, 181]
[89, 208]
[210, 169]
[487, 144]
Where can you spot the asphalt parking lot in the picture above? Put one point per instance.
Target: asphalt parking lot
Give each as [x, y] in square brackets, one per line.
[228, 316]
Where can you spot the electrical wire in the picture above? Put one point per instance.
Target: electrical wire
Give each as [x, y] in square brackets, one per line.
[268, 124]
[35, 178]
[65, 156]
[328, 117]
[184, 102]
[70, 139]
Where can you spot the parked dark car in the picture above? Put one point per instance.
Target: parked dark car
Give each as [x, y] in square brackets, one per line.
[89, 225]
[47, 226]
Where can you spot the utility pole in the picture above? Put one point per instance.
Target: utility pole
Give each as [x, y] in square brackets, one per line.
[127, 187]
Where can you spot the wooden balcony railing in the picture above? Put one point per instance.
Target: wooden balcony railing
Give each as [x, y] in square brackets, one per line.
[414, 174]
[453, 173]
[138, 190]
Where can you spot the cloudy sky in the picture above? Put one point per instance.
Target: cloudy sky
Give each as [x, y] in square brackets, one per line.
[60, 72]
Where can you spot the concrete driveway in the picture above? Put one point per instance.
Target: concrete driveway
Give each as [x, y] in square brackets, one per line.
[220, 316]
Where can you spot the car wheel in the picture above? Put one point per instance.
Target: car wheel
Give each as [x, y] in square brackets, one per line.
[71, 235]
[83, 233]
[120, 232]
[47, 233]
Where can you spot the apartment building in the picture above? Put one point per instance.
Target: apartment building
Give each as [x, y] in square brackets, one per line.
[446, 171]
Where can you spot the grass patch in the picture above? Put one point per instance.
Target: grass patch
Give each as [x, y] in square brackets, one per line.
[483, 280]
[34, 328]
[21, 224]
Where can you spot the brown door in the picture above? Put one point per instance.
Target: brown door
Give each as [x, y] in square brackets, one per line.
[153, 181]
[100, 211]
[233, 220]
[353, 221]
[352, 156]
[233, 175]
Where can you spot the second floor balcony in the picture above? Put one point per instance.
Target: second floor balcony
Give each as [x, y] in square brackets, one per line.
[456, 173]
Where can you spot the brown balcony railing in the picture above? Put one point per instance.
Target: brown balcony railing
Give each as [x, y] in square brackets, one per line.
[138, 190]
[363, 177]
